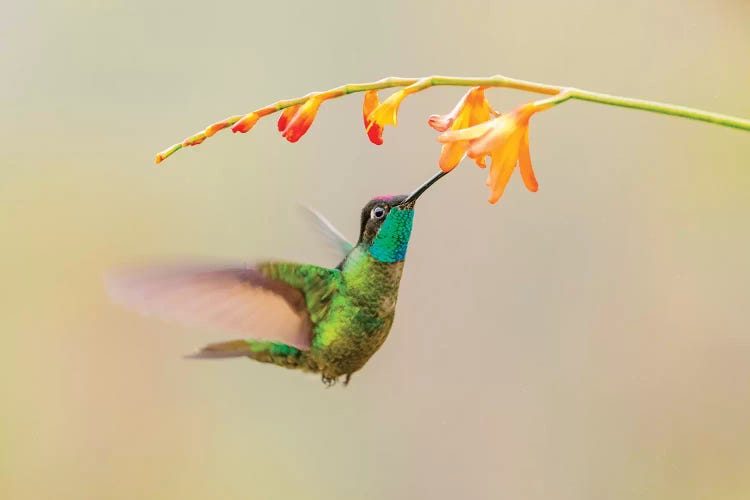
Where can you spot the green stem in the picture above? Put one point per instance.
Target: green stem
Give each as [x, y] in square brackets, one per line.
[412, 85]
[665, 109]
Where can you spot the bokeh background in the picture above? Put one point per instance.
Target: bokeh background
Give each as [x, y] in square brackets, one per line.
[588, 341]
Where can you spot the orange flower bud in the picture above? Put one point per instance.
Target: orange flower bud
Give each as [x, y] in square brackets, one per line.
[299, 124]
[286, 115]
[194, 140]
[243, 125]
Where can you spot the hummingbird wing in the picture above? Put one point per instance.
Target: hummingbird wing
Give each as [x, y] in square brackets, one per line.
[264, 302]
[333, 236]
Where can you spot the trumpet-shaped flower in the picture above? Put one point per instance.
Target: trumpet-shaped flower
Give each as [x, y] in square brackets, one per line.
[471, 110]
[296, 120]
[374, 131]
[386, 113]
[506, 141]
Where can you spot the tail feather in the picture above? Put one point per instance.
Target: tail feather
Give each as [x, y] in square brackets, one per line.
[231, 349]
[262, 351]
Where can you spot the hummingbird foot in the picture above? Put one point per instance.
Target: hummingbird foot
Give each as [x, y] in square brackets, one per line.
[331, 381]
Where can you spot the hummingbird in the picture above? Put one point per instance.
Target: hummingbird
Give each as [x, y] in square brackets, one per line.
[328, 321]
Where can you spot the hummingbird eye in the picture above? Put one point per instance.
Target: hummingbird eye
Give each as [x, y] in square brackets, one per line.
[377, 213]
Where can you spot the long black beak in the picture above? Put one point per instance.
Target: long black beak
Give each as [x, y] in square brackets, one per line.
[409, 201]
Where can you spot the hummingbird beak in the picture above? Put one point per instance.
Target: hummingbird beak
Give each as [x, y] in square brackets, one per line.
[412, 198]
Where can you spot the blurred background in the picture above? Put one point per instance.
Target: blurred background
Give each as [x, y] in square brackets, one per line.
[588, 341]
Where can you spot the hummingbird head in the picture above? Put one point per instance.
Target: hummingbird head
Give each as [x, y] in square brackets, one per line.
[386, 223]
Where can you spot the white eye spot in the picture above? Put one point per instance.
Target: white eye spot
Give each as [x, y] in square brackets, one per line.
[377, 213]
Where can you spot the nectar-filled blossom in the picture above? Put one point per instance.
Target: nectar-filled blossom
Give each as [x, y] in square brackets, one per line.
[386, 113]
[296, 120]
[506, 141]
[374, 131]
[471, 110]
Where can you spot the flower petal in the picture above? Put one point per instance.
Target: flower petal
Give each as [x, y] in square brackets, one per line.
[451, 155]
[480, 113]
[503, 131]
[500, 173]
[375, 134]
[441, 123]
[286, 115]
[524, 164]
[462, 115]
[387, 111]
[466, 134]
[374, 131]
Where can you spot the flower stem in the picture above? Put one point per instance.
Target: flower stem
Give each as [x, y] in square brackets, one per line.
[412, 85]
[665, 109]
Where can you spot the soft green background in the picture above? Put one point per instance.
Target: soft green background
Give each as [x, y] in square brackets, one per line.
[590, 341]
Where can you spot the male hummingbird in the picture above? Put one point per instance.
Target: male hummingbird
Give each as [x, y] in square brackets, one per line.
[311, 318]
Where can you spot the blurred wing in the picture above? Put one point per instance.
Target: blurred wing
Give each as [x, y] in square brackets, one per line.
[241, 300]
[333, 236]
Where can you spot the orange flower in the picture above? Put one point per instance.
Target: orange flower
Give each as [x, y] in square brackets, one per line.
[471, 110]
[386, 113]
[374, 131]
[506, 141]
[243, 125]
[296, 120]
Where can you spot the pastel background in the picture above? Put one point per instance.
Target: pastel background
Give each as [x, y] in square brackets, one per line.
[590, 341]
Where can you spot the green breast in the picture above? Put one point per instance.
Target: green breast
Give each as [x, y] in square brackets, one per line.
[361, 314]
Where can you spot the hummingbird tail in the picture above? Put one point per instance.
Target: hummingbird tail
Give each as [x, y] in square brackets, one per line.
[259, 350]
[231, 349]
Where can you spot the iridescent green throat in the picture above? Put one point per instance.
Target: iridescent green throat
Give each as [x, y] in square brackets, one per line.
[393, 238]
